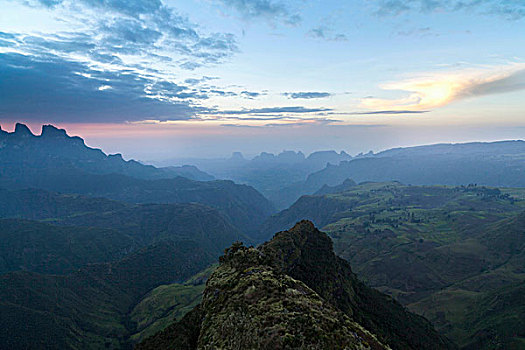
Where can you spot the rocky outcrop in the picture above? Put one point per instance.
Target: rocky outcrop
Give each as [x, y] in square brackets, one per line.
[294, 293]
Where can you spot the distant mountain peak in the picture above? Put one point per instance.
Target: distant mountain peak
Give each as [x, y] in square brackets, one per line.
[52, 131]
[116, 156]
[237, 156]
[22, 130]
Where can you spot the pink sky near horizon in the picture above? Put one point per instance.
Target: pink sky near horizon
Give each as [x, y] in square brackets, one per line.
[154, 142]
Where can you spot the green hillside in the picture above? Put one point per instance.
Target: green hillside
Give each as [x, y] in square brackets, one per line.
[74, 230]
[167, 303]
[89, 308]
[436, 249]
[43, 248]
[294, 293]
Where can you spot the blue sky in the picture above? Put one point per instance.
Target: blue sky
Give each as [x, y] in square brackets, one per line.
[208, 77]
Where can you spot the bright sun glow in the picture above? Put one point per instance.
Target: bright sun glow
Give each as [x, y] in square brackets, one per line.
[429, 91]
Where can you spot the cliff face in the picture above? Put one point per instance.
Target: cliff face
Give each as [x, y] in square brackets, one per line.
[249, 304]
[294, 293]
[306, 254]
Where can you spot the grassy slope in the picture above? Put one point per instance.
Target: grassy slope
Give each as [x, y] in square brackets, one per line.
[76, 230]
[43, 248]
[166, 303]
[88, 309]
[413, 242]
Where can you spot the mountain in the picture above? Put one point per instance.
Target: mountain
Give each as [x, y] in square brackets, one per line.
[77, 230]
[89, 308]
[499, 164]
[293, 292]
[487, 310]
[53, 148]
[189, 171]
[54, 161]
[43, 248]
[441, 251]
[268, 173]
[240, 204]
[346, 185]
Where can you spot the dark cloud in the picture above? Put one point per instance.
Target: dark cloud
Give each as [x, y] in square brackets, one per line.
[251, 94]
[262, 117]
[108, 71]
[290, 122]
[195, 81]
[271, 110]
[222, 93]
[305, 122]
[230, 125]
[266, 9]
[513, 82]
[509, 9]
[306, 95]
[53, 89]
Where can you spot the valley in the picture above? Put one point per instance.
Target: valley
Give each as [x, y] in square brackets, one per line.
[98, 258]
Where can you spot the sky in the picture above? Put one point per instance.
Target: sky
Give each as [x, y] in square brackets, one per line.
[159, 79]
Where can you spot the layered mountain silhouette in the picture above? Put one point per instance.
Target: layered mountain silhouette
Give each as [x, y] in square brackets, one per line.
[499, 164]
[56, 162]
[53, 148]
[100, 252]
[73, 267]
[267, 172]
[294, 293]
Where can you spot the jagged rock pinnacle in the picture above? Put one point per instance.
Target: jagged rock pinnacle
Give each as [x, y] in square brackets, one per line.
[52, 131]
[22, 129]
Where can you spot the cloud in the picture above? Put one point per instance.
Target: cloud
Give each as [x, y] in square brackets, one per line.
[387, 112]
[325, 33]
[149, 30]
[266, 9]
[129, 7]
[306, 95]
[57, 90]
[509, 9]
[117, 61]
[284, 122]
[418, 32]
[251, 94]
[271, 110]
[432, 90]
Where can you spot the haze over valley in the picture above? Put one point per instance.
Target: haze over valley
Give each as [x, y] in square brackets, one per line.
[262, 174]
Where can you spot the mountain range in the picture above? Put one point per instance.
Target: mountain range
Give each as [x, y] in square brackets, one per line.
[497, 164]
[293, 292]
[100, 252]
[56, 162]
[441, 251]
[262, 171]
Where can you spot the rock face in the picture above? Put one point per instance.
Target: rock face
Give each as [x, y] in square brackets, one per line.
[306, 254]
[248, 304]
[293, 293]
